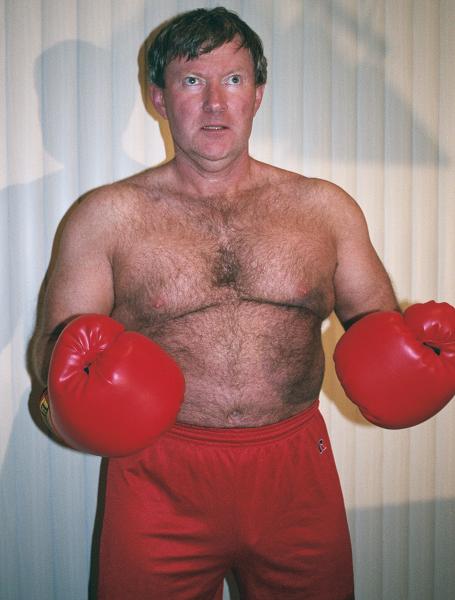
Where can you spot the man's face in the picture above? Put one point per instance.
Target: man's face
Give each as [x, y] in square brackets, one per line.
[210, 103]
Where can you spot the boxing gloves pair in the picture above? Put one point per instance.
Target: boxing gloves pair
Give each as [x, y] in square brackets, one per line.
[399, 368]
[110, 392]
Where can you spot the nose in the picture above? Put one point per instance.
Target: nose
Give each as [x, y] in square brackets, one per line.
[215, 100]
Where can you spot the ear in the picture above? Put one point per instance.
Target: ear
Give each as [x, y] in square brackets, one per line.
[260, 89]
[157, 97]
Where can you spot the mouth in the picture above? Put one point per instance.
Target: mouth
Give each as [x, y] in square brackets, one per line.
[213, 127]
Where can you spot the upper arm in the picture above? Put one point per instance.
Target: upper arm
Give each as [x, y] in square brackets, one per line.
[81, 279]
[361, 282]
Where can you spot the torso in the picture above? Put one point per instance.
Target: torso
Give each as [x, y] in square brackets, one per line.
[235, 291]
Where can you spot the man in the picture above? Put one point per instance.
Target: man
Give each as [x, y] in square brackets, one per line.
[231, 266]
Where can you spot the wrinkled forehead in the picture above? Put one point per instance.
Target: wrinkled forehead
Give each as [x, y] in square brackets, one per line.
[208, 48]
[227, 56]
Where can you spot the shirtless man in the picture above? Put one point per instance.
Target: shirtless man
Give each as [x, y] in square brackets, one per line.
[231, 266]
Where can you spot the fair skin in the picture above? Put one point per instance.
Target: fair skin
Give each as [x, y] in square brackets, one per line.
[210, 104]
[231, 265]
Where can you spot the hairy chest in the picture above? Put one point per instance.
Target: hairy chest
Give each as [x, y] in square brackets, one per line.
[187, 264]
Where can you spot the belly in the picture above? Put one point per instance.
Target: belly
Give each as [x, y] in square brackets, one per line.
[246, 364]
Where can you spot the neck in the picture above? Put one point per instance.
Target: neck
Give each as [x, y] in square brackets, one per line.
[213, 177]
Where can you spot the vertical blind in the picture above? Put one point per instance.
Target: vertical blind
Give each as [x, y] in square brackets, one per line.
[361, 92]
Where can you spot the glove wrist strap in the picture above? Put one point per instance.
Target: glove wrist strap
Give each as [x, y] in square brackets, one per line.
[45, 411]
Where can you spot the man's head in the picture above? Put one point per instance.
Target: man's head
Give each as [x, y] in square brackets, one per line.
[200, 31]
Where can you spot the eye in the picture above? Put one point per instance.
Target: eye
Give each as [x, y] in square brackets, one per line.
[234, 79]
[191, 80]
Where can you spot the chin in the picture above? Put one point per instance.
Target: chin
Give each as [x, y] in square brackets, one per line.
[226, 154]
[204, 154]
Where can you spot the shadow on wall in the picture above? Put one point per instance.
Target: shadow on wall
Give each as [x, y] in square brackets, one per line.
[144, 84]
[67, 118]
[331, 387]
[46, 491]
[361, 93]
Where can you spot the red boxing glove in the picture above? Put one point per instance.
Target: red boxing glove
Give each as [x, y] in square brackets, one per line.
[399, 369]
[111, 391]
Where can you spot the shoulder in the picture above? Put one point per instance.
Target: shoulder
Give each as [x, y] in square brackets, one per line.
[114, 205]
[305, 187]
[95, 219]
[93, 214]
[339, 208]
[328, 194]
[266, 174]
[321, 194]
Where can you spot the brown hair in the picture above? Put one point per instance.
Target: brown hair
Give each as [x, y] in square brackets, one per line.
[198, 32]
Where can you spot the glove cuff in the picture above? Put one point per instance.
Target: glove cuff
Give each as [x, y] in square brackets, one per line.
[45, 411]
[44, 406]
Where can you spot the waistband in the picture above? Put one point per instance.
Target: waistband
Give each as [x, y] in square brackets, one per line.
[244, 435]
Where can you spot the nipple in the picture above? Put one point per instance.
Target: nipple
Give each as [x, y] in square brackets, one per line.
[158, 303]
[302, 291]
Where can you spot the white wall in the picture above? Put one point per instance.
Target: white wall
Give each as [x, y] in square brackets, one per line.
[360, 92]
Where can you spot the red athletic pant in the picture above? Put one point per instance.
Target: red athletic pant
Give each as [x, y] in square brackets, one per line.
[262, 503]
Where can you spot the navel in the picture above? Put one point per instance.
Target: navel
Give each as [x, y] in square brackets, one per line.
[235, 414]
[235, 417]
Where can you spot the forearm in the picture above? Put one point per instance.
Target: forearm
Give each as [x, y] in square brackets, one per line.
[372, 294]
[42, 350]
[393, 306]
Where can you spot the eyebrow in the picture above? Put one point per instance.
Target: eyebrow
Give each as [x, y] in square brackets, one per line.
[198, 73]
